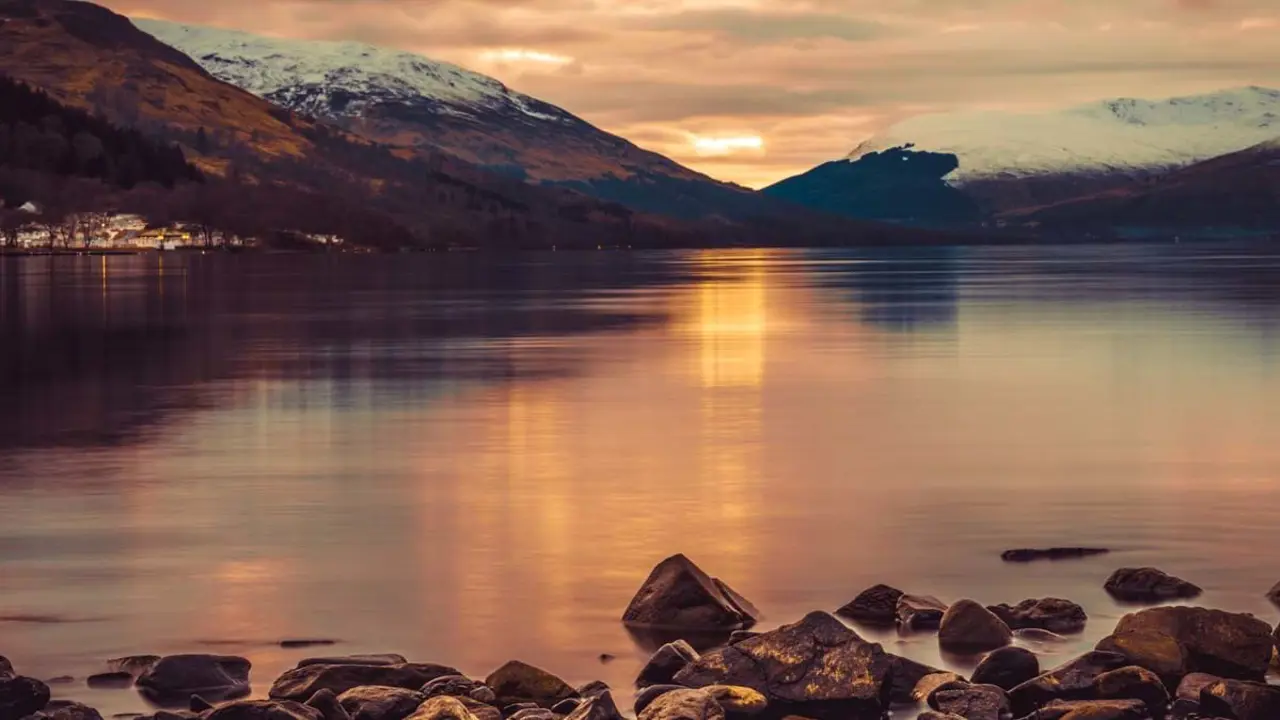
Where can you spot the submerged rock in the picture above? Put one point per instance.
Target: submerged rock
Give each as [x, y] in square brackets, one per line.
[972, 702]
[876, 605]
[919, 612]
[971, 628]
[1148, 585]
[1240, 700]
[262, 710]
[176, 678]
[520, 682]
[666, 662]
[1052, 614]
[1175, 641]
[678, 594]
[816, 668]
[1007, 668]
[306, 642]
[1060, 553]
[1072, 681]
[110, 680]
[302, 682]
[374, 702]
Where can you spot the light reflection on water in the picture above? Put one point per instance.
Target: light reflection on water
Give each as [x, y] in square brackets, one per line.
[473, 459]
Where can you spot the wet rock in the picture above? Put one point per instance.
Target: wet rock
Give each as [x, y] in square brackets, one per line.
[119, 679]
[1093, 710]
[600, 707]
[459, 686]
[904, 675]
[1007, 668]
[929, 683]
[135, 665]
[919, 612]
[1240, 700]
[1229, 645]
[479, 710]
[593, 688]
[737, 700]
[520, 682]
[442, 707]
[971, 628]
[302, 682]
[877, 605]
[646, 696]
[973, 702]
[326, 701]
[738, 636]
[935, 715]
[198, 704]
[261, 710]
[1060, 553]
[564, 707]
[1274, 594]
[1134, 683]
[1148, 585]
[176, 678]
[66, 710]
[683, 705]
[21, 696]
[366, 659]
[6, 668]
[1072, 681]
[1192, 684]
[1053, 614]
[678, 594]
[376, 702]
[816, 667]
[665, 663]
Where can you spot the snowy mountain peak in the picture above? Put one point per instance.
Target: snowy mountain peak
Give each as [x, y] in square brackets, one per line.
[1125, 135]
[339, 77]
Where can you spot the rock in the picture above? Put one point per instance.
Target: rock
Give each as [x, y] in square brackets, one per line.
[198, 704]
[520, 682]
[1036, 635]
[483, 694]
[135, 665]
[972, 702]
[261, 710]
[6, 668]
[738, 636]
[21, 696]
[326, 701]
[1240, 700]
[566, 706]
[737, 700]
[442, 707]
[459, 686]
[1053, 614]
[479, 710]
[593, 688]
[1134, 683]
[665, 663]
[373, 659]
[931, 682]
[678, 594]
[514, 708]
[66, 710]
[1274, 594]
[1061, 553]
[816, 667]
[935, 715]
[301, 683]
[119, 679]
[600, 707]
[877, 605]
[1072, 681]
[683, 705]
[1192, 684]
[919, 612]
[175, 678]
[533, 714]
[1093, 710]
[971, 628]
[1007, 668]
[1148, 585]
[1229, 645]
[646, 696]
[904, 675]
[376, 702]
[173, 715]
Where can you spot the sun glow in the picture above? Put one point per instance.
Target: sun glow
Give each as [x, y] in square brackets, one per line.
[520, 55]
[727, 145]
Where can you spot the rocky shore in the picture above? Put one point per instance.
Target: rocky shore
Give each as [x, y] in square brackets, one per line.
[1159, 663]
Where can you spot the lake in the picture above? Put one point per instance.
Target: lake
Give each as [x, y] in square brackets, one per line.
[469, 459]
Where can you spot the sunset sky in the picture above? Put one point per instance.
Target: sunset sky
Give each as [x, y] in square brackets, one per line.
[755, 90]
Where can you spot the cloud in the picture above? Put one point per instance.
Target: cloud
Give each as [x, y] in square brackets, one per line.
[765, 27]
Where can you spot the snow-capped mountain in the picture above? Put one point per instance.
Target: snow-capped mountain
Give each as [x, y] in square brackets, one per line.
[1127, 136]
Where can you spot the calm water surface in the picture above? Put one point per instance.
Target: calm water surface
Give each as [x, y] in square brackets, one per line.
[470, 459]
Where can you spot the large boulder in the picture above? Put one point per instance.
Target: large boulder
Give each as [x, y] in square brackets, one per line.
[518, 682]
[365, 659]
[683, 705]
[21, 696]
[1007, 668]
[303, 682]
[973, 702]
[1052, 614]
[1092, 710]
[876, 605]
[816, 667]
[679, 595]
[1240, 700]
[968, 627]
[919, 612]
[263, 710]
[1229, 645]
[377, 702]
[442, 707]
[177, 677]
[665, 663]
[1072, 681]
[1134, 683]
[1148, 585]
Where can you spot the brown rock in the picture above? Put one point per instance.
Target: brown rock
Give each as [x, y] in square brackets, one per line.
[877, 605]
[1229, 645]
[1052, 614]
[683, 705]
[1134, 683]
[1240, 700]
[376, 702]
[930, 683]
[971, 628]
[442, 707]
[920, 612]
[303, 682]
[1148, 585]
[1093, 710]
[262, 710]
[176, 678]
[366, 659]
[520, 682]
[973, 702]
[665, 663]
[1007, 668]
[1072, 681]
[679, 595]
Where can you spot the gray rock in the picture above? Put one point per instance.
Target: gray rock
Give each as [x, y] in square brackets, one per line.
[593, 688]
[1007, 668]
[646, 696]
[600, 707]
[679, 595]
[302, 682]
[968, 627]
[973, 702]
[1053, 614]
[1072, 681]
[1240, 700]
[877, 605]
[261, 710]
[920, 612]
[1093, 710]
[518, 682]
[1134, 683]
[1175, 641]
[175, 678]
[817, 668]
[1148, 585]
[665, 663]
[365, 659]
[21, 696]
[683, 705]
[326, 701]
[443, 707]
[120, 679]
[377, 702]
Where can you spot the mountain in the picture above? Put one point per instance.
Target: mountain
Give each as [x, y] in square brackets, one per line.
[413, 103]
[896, 185]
